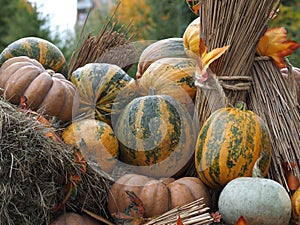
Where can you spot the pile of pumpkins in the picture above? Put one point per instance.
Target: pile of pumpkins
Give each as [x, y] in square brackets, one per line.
[148, 124]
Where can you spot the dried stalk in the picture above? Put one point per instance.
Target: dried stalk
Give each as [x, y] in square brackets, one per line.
[273, 98]
[193, 213]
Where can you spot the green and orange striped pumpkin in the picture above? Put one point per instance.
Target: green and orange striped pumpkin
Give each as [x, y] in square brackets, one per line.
[45, 52]
[156, 134]
[95, 140]
[165, 48]
[229, 143]
[98, 86]
[179, 71]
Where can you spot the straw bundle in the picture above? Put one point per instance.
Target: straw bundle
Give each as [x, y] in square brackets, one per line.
[272, 97]
[111, 45]
[35, 172]
[192, 213]
[239, 24]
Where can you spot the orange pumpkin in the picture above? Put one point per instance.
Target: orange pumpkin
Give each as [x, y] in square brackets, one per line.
[45, 90]
[158, 196]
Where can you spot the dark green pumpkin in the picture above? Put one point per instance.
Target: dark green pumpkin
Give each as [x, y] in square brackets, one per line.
[40, 49]
[156, 134]
[98, 86]
[228, 144]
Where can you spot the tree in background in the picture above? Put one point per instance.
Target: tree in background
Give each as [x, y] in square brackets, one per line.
[21, 19]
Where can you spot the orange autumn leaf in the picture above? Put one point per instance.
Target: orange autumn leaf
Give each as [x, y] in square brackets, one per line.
[241, 221]
[179, 221]
[274, 44]
[292, 181]
[206, 58]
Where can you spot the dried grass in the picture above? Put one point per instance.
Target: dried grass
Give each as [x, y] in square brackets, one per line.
[111, 45]
[34, 171]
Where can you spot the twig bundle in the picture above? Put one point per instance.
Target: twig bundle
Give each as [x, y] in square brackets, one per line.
[273, 99]
[110, 45]
[193, 213]
[239, 24]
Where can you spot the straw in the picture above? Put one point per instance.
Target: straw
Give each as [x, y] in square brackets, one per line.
[273, 98]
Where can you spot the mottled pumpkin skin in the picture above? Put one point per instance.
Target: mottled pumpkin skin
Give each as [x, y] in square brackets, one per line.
[40, 49]
[46, 91]
[158, 195]
[156, 135]
[295, 200]
[228, 144]
[179, 71]
[165, 48]
[191, 38]
[98, 86]
[95, 140]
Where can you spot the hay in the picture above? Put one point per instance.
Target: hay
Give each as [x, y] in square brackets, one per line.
[273, 98]
[34, 172]
[111, 45]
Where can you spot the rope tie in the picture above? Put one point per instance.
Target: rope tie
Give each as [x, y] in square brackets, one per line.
[244, 82]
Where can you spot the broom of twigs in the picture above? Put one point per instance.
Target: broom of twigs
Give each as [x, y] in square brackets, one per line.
[239, 24]
[193, 213]
[272, 97]
[111, 45]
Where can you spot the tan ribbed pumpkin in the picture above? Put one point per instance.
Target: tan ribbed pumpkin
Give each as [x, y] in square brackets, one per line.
[158, 196]
[296, 74]
[165, 48]
[45, 90]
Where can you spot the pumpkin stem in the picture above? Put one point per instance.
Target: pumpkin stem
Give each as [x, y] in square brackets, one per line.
[241, 105]
[152, 91]
[256, 171]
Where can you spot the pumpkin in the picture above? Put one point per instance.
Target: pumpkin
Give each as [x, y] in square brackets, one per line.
[158, 196]
[71, 218]
[95, 140]
[156, 135]
[229, 143]
[98, 85]
[191, 39]
[296, 205]
[296, 74]
[45, 90]
[180, 71]
[258, 200]
[165, 48]
[48, 54]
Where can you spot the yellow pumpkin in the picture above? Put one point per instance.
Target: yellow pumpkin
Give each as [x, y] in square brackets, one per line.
[296, 205]
[191, 38]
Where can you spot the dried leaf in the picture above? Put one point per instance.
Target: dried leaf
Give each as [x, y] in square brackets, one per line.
[194, 6]
[133, 214]
[206, 58]
[292, 181]
[241, 221]
[274, 44]
[179, 221]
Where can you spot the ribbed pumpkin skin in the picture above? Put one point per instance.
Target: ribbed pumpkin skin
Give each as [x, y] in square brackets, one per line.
[191, 38]
[228, 144]
[156, 135]
[158, 195]
[165, 48]
[296, 74]
[96, 141]
[40, 49]
[98, 85]
[180, 71]
[46, 91]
